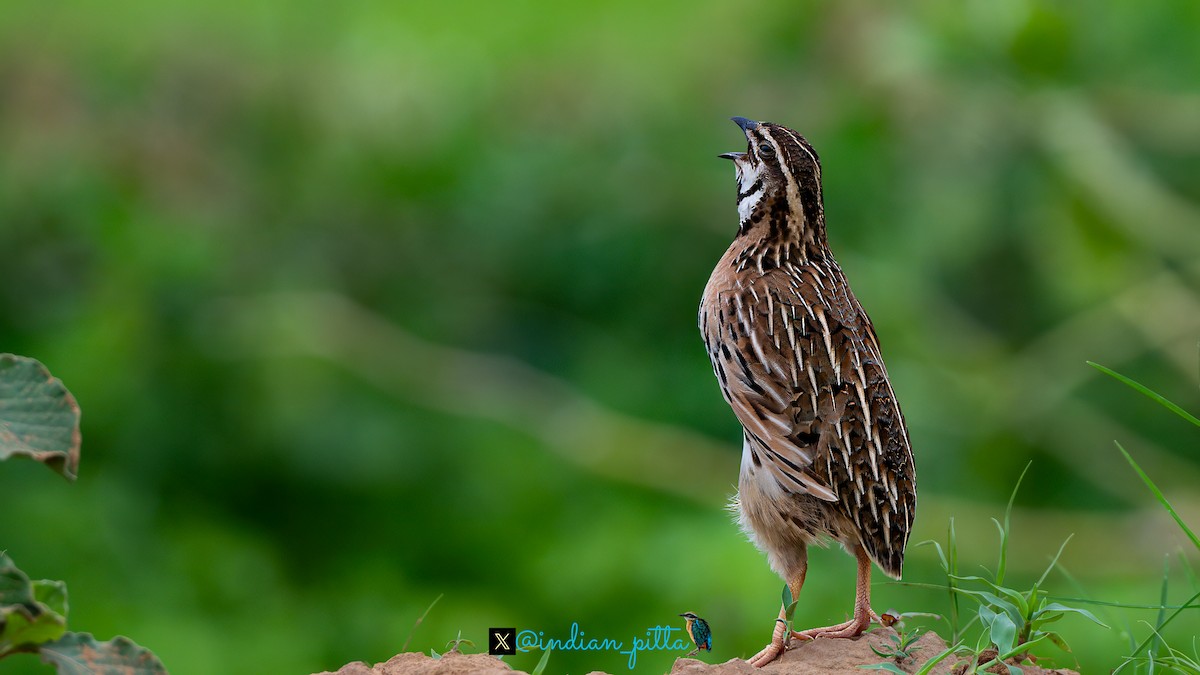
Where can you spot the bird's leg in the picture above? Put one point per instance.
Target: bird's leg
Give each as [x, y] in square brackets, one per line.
[780, 638]
[693, 652]
[863, 614]
[778, 643]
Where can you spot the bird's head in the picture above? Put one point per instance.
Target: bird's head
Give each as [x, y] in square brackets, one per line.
[778, 177]
[689, 616]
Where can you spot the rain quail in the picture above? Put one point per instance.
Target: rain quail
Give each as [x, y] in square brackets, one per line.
[825, 452]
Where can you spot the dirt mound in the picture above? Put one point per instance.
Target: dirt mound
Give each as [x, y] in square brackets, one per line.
[819, 657]
[827, 657]
[413, 663]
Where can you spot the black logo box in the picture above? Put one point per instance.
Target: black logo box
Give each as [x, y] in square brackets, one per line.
[502, 641]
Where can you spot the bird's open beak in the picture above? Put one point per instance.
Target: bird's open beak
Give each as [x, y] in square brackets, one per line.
[746, 126]
[744, 123]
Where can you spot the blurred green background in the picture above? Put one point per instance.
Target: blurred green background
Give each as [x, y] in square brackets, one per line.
[370, 302]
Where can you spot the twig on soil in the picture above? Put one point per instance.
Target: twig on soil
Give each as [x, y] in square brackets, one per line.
[419, 620]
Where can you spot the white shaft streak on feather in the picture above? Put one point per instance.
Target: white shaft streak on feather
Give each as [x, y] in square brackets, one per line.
[771, 314]
[781, 403]
[743, 323]
[829, 469]
[879, 452]
[779, 423]
[816, 276]
[807, 307]
[866, 409]
[845, 443]
[812, 379]
[791, 338]
[758, 352]
[837, 370]
[873, 456]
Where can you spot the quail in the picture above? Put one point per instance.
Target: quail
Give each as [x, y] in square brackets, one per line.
[825, 453]
[698, 631]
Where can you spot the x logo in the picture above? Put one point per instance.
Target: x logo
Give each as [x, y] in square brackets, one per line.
[502, 641]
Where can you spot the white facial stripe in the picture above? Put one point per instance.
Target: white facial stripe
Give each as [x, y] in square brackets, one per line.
[748, 173]
[746, 206]
[793, 188]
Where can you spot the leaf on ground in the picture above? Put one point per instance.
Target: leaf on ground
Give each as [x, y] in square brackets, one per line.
[39, 418]
[81, 654]
[31, 612]
[1003, 633]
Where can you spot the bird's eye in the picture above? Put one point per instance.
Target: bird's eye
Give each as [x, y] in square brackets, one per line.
[765, 149]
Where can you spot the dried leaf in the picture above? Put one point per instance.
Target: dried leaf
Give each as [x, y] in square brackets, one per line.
[39, 418]
[81, 654]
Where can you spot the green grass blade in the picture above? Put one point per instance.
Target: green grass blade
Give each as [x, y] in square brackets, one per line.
[1055, 560]
[999, 576]
[928, 667]
[1007, 526]
[1105, 603]
[1156, 645]
[1106, 615]
[1187, 568]
[938, 548]
[1055, 607]
[888, 667]
[1159, 495]
[541, 666]
[1145, 643]
[1154, 396]
[1057, 598]
[951, 584]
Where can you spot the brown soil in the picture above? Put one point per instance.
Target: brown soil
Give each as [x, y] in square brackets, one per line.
[819, 657]
[423, 664]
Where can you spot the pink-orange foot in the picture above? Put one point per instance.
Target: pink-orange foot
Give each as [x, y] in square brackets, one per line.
[775, 649]
[849, 629]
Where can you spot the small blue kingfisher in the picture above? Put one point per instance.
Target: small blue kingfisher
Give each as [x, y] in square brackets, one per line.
[698, 630]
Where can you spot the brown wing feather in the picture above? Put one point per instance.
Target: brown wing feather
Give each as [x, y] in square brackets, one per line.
[761, 376]
[875, 478]
[799, 363]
